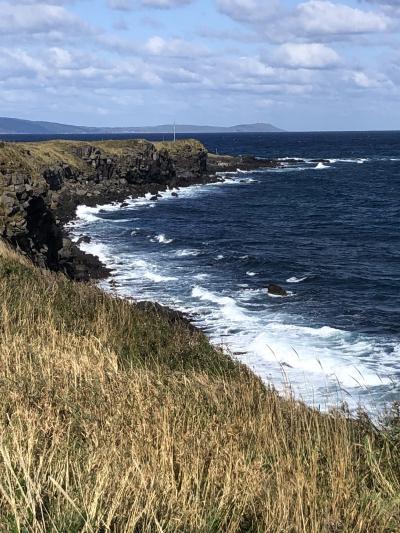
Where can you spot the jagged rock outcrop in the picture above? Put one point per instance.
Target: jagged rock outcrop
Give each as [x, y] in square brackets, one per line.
[42, 183]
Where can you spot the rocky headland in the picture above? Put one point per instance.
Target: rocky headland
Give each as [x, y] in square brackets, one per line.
[41, 184]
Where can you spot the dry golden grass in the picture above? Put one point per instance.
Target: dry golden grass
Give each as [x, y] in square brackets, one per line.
[113, 420]
[32, 158]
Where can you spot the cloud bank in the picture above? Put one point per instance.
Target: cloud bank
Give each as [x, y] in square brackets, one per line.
[314, 64]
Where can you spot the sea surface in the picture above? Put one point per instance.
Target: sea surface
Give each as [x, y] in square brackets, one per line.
[328, 233]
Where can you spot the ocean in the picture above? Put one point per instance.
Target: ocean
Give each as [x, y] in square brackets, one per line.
[328, 233]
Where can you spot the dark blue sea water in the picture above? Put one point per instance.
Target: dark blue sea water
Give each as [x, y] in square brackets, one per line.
[330, 234]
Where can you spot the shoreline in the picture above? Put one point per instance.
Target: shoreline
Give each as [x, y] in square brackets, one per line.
[196, 319]
[218, 167]
[42, 183]
[167, 312]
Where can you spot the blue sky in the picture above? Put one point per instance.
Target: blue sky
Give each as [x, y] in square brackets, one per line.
[300, 64]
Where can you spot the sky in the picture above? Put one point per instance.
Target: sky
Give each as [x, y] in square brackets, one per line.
[300, 64]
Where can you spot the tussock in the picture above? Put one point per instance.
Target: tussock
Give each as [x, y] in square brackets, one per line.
[114, 419]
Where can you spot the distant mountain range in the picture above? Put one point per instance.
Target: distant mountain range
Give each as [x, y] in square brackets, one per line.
[29, 127]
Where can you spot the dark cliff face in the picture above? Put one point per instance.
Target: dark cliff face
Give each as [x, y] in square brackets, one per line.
[42, 183]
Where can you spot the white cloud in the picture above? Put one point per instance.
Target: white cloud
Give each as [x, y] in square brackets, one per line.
[309, 20]
[165, 4]
[129, 5]
[158, 46]
[44, 18]
[310, 56]
[252, 11]
[369, 81]
[319, 17]
[280, 55]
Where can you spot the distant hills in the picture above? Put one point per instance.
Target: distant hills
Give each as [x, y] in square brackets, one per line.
[29, 127]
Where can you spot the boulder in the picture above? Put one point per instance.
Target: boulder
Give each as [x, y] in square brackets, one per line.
[276, 290]
[84, 239]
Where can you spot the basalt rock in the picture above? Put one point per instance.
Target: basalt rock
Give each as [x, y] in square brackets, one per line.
[41, 184]
[276, 290]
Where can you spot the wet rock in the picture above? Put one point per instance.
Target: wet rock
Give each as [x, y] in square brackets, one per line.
[174, 194]
[276, 290]
[84, 239]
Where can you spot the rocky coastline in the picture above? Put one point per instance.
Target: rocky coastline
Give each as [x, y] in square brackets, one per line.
[41, 185]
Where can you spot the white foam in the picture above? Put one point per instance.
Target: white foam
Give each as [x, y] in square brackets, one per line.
[228, 306]
[324, 331]
[321, 166]
[359, 160]
[222, 174]
[280, 170]
[251, 274]
[294, 279]
[201, 276]
[323, 363]
[87, 214]
[157, 278]
[186, 253]
[300, 159]
[162, 239]
[99, 250]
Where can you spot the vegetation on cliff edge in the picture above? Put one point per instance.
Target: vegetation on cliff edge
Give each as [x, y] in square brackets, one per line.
[116, 418]
[33, 157]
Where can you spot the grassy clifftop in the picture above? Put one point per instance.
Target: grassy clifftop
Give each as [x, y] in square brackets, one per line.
[116, 418]
[33, 157]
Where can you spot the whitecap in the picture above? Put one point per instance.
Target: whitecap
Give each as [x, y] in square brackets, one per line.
[99, 250]
[86, 214]
[228, 305]
[320, 362]
[321, 166]
[201, 276]
[162, 239]
[300, 159]
[251, 274]
[186, 253]
[157, 278]
[294, 279]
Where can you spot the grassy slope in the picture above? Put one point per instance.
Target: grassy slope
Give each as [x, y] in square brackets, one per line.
[112, 420]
